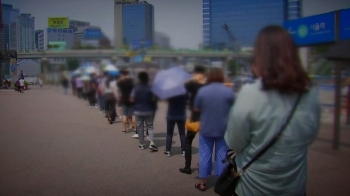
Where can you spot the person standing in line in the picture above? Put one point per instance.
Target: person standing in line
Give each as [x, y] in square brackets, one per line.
[214, 102]
[74, 89]
[176, 115]
[192, 86]
[93, 85]
[110, 95]
[21, 84]
[143, 100]
[101, 83]
[126, 85]
[65, 84]
[79, 84]
[260, 111]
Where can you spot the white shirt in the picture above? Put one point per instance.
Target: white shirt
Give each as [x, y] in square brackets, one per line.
[112, 85]
[21, 82]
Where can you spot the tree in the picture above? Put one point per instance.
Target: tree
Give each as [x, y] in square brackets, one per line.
[232, 67]
[73, 64]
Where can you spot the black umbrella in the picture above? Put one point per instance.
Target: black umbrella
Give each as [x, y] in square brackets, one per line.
[338, 52]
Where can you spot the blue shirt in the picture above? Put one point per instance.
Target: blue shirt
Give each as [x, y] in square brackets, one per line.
[177, 108]
[143, 99]
[214, 102]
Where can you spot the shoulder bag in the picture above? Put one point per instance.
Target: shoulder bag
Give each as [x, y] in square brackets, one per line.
[229, 178]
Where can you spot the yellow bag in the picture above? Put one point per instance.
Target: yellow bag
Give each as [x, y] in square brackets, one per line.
[192, 126]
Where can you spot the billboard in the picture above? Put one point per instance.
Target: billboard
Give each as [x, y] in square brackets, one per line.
[58, 46]
[58, 22]
[93, 34]
[345, 24]
[312, 30]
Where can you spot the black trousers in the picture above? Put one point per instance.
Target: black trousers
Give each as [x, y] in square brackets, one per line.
[110, 103]
[92, 98]
[170, 133]
[188, 148]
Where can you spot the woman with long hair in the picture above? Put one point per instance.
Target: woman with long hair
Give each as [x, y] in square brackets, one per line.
[213, 101]
[262, 108]
[110, 94]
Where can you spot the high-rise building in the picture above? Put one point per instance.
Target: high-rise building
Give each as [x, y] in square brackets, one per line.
[39, 40]
[62, 37]
[9, 15]
[22, 34]
[133, 21]
[235, 23]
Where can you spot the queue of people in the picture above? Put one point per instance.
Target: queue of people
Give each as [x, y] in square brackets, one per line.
[245, 124]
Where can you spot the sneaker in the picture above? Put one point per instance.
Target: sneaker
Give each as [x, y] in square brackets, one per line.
[136, 136]
[142, 147]
[153, 147]
[183, 153]
[167, 153]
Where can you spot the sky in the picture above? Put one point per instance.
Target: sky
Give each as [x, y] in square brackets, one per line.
[181, 20]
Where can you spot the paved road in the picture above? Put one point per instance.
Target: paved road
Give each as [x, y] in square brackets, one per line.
[52, 144]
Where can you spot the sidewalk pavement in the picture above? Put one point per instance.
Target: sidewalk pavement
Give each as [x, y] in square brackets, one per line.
[54, 144]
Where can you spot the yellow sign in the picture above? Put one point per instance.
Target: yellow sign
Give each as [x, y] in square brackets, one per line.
[58, 22]
[147, 59]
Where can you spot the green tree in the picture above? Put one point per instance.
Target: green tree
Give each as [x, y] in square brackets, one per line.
[232, 67]
[72, 64]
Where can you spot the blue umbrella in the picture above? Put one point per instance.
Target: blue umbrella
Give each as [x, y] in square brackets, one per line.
[113, 73]
[170, 83]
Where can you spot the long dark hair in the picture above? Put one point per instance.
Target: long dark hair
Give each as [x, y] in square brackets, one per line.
[108, 80]
[215, 75]
[277, 62]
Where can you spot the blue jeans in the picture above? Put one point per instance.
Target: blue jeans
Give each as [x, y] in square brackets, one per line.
[65, 90]
[206, 145]
[140, 121]
[101, 101]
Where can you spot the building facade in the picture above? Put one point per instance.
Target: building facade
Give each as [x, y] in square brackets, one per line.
[133, 21]
[9, 15]
[64, 38]
[74, 24]
[233, 24]
[39, 40]
[138, 22]
[22, 34]
[88, 36]
[161, 40]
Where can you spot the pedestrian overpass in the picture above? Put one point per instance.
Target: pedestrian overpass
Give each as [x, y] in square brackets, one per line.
[100, 53]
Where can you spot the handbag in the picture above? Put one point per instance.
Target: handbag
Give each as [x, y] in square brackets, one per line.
[229, 178]
[192, 126]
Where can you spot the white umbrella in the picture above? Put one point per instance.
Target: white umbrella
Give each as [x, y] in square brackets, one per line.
[90, 70]
[110, 68]
[85, 77]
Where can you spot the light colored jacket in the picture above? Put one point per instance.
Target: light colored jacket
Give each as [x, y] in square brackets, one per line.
[254, 120]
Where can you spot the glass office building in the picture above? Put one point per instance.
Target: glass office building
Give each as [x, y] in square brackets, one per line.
[138, 22]
[9, 15]
[234, 24]
[22, 34]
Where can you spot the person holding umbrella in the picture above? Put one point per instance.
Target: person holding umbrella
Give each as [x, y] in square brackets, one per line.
[192, 86]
